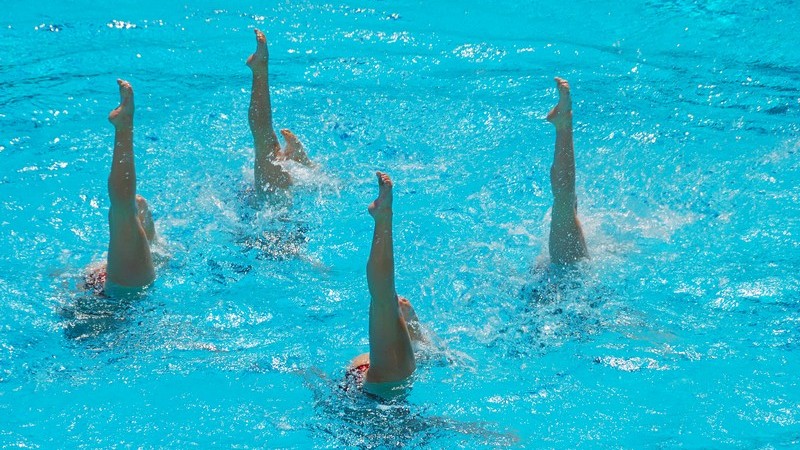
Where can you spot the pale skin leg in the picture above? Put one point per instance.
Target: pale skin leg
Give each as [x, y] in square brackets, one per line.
[415, 332]
[567, 244]
[130, 263]
[269, 176]
[391, 356]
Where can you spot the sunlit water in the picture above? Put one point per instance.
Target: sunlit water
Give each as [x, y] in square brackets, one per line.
[681, 330]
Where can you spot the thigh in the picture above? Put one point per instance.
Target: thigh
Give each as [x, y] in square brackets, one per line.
[129, 260]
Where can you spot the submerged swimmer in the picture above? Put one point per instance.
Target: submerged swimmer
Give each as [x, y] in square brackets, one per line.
[129, 265]
[567, 244]
[393, 323]
[269, 176]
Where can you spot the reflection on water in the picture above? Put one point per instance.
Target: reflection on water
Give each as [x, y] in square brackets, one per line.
[280, 244]
[90, 315]
[350, 418]
[558, 305]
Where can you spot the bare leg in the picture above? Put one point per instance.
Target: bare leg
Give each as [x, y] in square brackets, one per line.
[567, 244]
[129, 261]
[269, 177]
[390, 353]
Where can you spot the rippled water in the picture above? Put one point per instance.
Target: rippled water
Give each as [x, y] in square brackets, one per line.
[682, 330]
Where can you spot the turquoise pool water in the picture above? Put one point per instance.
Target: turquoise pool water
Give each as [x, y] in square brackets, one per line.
[681, 331]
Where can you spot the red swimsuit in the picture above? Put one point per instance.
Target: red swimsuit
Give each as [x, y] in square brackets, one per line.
[355, 375]
[95, 280]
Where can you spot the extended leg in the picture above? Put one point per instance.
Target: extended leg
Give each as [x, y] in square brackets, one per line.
[269, 176]
[129, 261]
[567, 244]
[390, 353]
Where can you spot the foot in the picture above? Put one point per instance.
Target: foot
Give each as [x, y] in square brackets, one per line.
[122, 115]
[561, 115]
[412, 321]
[258, 60]
[294, 150]
[407, 310]
[145, 218]
[381, 208]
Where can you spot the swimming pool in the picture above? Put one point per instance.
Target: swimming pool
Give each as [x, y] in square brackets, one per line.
[682, 330]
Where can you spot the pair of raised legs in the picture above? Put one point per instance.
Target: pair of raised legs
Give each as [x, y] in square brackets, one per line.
[130, 263]
[393, 324]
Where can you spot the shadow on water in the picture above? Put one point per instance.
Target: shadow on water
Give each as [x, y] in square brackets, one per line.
[90, 314]
[559, 304]
[268, 232]
[286, 240]
[347, 417]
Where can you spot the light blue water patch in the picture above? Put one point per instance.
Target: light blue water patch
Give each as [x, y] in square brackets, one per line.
[681, 330]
